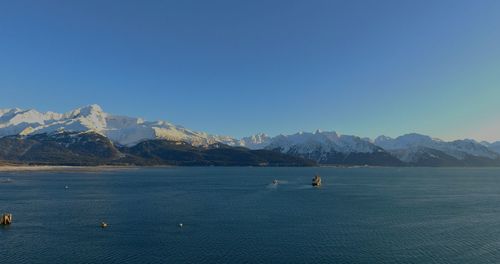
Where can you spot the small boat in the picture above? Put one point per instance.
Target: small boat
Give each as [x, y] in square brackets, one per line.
[181, 225]
[316, 181]
[66, 187]
[275, 182]
[104, 224]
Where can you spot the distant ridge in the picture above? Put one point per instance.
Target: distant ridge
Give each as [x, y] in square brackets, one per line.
[115, 139]
[92, 149]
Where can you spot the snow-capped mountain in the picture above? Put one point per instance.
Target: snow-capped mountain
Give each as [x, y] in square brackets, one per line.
[258, 141]
[16, 121]
[410, 147]
[323, 147]
[320, 146]
[495, 146]
[305, 142]
[120, 129]
[406, 141]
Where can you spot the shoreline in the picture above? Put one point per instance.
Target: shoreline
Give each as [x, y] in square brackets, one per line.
[28, 168]
[100, 168]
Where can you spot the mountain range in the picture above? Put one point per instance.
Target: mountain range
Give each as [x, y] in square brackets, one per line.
[90, 136]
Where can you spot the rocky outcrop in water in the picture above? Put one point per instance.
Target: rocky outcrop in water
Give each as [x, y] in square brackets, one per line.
[316, 181]
[6, 219]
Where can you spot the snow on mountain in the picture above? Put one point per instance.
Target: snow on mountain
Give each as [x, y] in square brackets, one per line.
[319, 141]
[130, 131]
[407, 146]
[258, 141]
[17, 121]
[406, 141]
[120, 129]
[471, 147]
[326, 148]
[319, 145]
[495, 146]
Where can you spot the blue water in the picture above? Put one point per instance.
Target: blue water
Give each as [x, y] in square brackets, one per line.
[234, 215]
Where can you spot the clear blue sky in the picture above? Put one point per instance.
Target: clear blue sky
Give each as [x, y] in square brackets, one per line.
[241, 67]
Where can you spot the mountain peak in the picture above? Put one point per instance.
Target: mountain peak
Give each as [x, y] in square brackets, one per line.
[382, 138]
[415, 136]
[92, 109]
[9, 111]
[256, 141]
[129, 131]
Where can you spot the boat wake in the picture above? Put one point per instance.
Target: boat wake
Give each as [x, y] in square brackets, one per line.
[8, 180]
[272, 186]
[301, 187]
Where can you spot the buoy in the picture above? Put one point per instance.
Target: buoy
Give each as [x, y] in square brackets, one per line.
[180, 225]
[104, 225]
[6, 219]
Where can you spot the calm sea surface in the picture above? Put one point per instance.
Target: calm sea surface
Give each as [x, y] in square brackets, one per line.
[234, 215]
